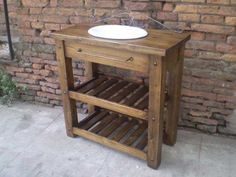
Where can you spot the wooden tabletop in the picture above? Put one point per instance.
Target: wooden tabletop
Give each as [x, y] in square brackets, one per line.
[157, 42]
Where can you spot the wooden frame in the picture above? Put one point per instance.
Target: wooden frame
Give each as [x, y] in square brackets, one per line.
[141, 133]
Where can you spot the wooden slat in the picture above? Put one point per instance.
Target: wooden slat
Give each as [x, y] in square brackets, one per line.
[136, 96]
[136, 134]
[94, 120]
[84, 83]
[143, 104]
[112, 127]
[110, 143]
[109, 105]
[143, 142]
[88, 118]
[113, 90]
[103, 123]
[124, 130]
[102, 87]
[125, 92]
[92, 85]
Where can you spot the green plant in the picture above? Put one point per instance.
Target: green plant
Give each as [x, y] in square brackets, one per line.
[8, 89]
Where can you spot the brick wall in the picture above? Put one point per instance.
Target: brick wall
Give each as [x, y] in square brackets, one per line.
[209, 81]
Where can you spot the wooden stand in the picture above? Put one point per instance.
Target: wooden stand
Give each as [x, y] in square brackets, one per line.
[128, 117]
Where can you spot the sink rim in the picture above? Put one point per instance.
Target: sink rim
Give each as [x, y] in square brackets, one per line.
[127, 35]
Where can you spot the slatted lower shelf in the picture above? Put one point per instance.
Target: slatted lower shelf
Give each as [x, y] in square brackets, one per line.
[114, 94]
[115, 131]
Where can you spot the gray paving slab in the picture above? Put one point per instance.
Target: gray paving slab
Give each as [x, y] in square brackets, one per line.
[33, 143]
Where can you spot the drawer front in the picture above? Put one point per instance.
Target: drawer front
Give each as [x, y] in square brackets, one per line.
[107, 56]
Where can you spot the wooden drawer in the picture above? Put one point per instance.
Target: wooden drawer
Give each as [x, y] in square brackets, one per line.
[107, 56]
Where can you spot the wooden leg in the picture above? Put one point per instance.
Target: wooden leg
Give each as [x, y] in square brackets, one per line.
[157, 78]
[174, 92]
[89, 74]
[67, 83]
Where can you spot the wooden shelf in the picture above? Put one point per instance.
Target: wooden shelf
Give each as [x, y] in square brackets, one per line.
[115, 131]
[114, 94]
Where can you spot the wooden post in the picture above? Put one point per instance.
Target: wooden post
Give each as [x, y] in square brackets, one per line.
[89, 74]
[67, 83]
[157, 77]
[174, 92]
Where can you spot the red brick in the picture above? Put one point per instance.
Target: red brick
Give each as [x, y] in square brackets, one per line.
[54, 19]
[35, 77]
[224, 98]
[231, 40]
[37, 25]
[67, 11]
[49, 11]
[53, 3]
[209, 55]
[221, 111]
[206, 9]
[206, 121]
[194, 106]
[35, 3]
[230, 21]
[47, 56]
[205, 95]
[194, 1]
[71, 3]
[35, 11]
[48, 89]
[37, 66]
[103, 3]
[189, 53]
[168, 7]
[141, 6]
[213, 28]
[45, 72]
[36, 60]
[49, 41]
[197, 36]
[212, 19]
[218, 1]
[22, 75]
[47, 84]
[79, 20]
[167, 16]
[192, 100]
[228, 10]
[222, 47]
[204, 45]
[14, 69]
[189, 17]
[216, 37]
[229, 57]
[139, 15]
[186, 8]
[52, 26]
[49, 95]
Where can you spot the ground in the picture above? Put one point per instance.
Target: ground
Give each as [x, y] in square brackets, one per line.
[33, 144]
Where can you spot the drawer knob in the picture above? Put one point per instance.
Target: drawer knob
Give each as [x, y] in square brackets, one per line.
[79, 50]
[130, 59]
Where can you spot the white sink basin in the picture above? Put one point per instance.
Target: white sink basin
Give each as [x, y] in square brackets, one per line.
[117, 32]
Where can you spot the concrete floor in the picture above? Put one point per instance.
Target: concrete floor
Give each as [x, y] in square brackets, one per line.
[33, 144]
